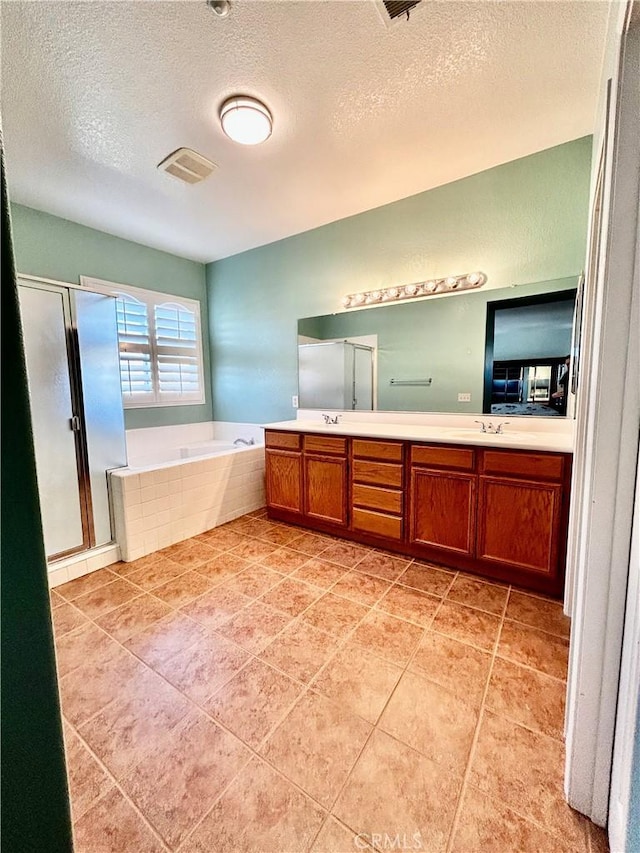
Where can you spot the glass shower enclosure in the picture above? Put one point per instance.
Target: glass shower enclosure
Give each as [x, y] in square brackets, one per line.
[71, 346]
[335, 375]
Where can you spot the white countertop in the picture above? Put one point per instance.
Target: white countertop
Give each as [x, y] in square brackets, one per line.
[512, 438]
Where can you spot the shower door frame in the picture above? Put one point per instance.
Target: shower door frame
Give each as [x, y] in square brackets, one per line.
[77, 408]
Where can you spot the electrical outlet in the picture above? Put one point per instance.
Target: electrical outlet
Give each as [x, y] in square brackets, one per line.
[294, 401]
[464, 398]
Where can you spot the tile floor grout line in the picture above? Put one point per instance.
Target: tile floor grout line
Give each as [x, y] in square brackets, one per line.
[208, 811]
[306, 686]
[210, 631]
[543, 827]
[310, 686]
[222, 726]
[293, 618]
[137, 659]
[536, 628]
[262, 759]
[374, 728]
[256, 754]
[305, 689]
[119, 787]
[476, 735]
[530, 668]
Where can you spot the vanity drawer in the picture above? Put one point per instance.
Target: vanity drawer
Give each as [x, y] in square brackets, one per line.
[377, 523]
[377, 473]
[286, 440]
[325, 444]
[386, 451]
[442, 456]
[373, 497]
[535, 466]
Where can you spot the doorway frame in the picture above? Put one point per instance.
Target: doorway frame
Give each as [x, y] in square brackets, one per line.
[606, 453]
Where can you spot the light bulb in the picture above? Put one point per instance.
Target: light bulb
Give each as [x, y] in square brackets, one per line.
[346, 301]
[393, 292]
[359, 298]
[411, 289]
[430, 286]
[473, 278]
[451, 281]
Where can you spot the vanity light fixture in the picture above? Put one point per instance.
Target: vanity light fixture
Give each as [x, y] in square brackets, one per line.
[449, 284]
[245, 120]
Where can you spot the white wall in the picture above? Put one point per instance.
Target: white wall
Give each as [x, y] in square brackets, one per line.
[608, 421]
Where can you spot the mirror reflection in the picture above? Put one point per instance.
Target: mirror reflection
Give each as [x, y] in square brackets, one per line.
[488, 352]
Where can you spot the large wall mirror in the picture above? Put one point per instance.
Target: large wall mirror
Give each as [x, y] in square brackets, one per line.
[499, 351]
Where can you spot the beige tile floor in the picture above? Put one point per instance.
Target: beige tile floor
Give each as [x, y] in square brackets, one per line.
[261, 688]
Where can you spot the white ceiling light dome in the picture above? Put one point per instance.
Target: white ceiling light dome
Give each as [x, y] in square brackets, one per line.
[245, 120]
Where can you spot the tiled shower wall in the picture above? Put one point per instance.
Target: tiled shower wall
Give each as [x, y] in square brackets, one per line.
[154, 509]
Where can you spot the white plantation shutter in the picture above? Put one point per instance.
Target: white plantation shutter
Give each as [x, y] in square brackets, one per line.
[160, 346]
[177, 348]
[136, 374]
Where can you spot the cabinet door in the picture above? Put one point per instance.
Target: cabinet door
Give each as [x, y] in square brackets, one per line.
[326, 488]
[443, 510]
[284, 479]
[519, 523]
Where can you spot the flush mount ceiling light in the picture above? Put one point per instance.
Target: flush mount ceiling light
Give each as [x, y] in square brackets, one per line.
[245, 120]
[449, 284]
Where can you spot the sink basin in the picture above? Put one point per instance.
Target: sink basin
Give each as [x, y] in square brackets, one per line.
[476, 433]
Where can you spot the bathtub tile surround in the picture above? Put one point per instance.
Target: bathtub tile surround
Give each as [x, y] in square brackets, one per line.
[157, 507]
[152, 509]
[344, 655]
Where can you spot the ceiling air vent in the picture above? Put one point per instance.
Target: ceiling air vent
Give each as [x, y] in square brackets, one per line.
[187, 166]
[393, 11]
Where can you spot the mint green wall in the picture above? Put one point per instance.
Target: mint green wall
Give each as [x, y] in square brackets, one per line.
[521, 222]
[56, 248]
[441, 338]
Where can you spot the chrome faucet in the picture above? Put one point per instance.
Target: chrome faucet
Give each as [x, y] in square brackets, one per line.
[331, 419]
[490, 429]
[240, 441]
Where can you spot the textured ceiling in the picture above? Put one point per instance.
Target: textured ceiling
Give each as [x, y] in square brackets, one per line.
[95, 94]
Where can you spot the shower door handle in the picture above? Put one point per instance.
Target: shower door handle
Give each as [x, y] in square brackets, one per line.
[74, 423]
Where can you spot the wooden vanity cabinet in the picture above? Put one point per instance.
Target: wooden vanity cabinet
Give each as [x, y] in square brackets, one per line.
[443, 499]
[325, 479]
[522, 512]
[283, 462]
[306, 476]
[377, 488]
[496, 512]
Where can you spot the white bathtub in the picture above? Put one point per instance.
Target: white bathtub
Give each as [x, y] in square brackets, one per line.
[162, 455]
[189, 488]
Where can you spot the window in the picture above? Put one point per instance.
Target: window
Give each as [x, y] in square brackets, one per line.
[160, 346]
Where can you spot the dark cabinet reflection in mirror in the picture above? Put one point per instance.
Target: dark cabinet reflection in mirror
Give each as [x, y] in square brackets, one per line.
[527, 355]
[499, 351]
